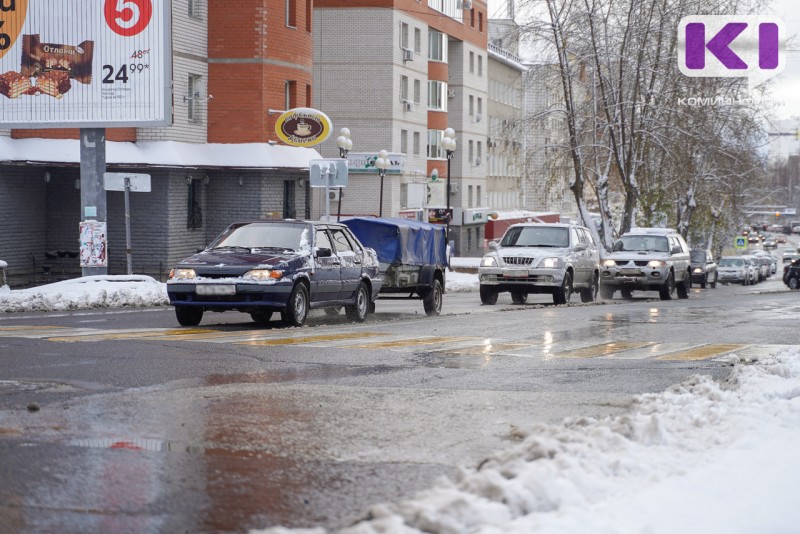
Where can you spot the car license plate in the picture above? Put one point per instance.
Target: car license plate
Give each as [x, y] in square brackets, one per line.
[218, 289]
[629, 272]
[519, 273]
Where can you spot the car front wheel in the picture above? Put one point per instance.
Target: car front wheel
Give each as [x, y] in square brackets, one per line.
[488, 295]
[794, 283]
[589, 294]
[359, 310]
[518, 297]
[261, 318]
[563, 294]
[668, 289]
[297, 307]
[685, 287]
[188, 315]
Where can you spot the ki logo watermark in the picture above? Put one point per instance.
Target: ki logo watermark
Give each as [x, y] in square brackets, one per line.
[732, 46]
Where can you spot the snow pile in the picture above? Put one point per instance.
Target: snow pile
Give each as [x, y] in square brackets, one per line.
[697, 458]
[86, 292]
[461, 282]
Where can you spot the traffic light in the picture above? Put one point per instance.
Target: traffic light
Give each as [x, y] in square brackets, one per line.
[777, 214]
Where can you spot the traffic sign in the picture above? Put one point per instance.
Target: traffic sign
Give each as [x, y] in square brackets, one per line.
[740, 242]
[137, 183]
[327, 172]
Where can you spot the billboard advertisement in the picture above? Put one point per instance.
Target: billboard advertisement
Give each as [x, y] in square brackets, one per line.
[85, 63]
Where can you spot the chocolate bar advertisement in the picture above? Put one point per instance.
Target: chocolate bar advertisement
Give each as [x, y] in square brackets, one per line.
[85, 63]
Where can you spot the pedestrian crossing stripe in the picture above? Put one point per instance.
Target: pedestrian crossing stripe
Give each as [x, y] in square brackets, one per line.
[450, 346]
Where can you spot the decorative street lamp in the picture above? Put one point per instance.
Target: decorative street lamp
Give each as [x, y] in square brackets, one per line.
[345, 145]
[382, 163]
[449, 146]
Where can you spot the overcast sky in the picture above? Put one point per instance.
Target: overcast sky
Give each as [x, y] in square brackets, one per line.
[785, 86]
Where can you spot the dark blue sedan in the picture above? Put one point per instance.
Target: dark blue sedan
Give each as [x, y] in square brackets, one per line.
[289, 266]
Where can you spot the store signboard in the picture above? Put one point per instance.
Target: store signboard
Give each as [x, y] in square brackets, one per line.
[303, 127]
[85, 63]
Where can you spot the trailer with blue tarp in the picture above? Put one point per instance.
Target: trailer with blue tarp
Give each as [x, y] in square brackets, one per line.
[412, 257]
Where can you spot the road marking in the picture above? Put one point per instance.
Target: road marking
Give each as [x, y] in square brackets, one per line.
[310, 339]
[702, 352]
[116, 336]
[407, 343]
[603, 349]
[486, 349]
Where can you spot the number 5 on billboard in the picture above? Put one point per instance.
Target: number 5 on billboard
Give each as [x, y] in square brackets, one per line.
[128, 17]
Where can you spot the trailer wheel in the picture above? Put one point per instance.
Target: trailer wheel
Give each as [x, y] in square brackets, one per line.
[432, 301]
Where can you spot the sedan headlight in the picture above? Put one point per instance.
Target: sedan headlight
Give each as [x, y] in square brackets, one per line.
[551, 263]
[609, 263]
[698, 270]
[182, 273]
[488, 261]
[263, 274]
[656, 264]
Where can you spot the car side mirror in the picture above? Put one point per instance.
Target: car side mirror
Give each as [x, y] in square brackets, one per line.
[494, 245]
[580, 247]
[324, 253]
[676, 249]
[199, 250]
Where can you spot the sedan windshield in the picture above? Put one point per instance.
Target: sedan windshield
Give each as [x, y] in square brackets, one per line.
[698, 256]
[730, 262]
[262, 236]
[536, 236]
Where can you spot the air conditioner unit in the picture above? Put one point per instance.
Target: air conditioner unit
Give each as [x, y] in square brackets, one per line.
[478, 117]
[453, 189]
[451, 93]
[333, 194]
[464, 4]
[408, 54]
[477, 162]
[408, 105]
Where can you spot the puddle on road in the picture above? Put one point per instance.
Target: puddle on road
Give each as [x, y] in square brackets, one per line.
[324, 372]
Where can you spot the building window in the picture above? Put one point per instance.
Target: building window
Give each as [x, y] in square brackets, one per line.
[480, 21]
[435, 144]
[469, 196]
[437, 46]
[478, 196]
[472, 18]
[309, 100]
[470, 151]
[416, 143]
[289, 211]
[309, 12]
[193, 98]
[479, 153]
[404, 88]
[480, 65]
[417, 91]
[404, 141]
[195, 9]
[472, 62]
[437, 95]
[195, 210]
[480, 107]
[417, 40]
[471, 105]
[403, 35]
[469, 238]
[290, 94]
[291, 13]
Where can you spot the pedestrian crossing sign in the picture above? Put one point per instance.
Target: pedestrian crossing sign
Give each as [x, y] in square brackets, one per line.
[740, 242]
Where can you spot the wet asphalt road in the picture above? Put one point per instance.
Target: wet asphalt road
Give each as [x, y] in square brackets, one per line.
[121, 422]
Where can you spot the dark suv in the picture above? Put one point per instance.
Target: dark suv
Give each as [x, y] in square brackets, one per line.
[704, 268]
[791, 274]
[260, 267]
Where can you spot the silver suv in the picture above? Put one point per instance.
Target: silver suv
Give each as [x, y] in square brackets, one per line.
[647, 259]
[541, 258]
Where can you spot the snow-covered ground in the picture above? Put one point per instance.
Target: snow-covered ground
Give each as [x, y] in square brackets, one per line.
[86, 292]
[698, 458]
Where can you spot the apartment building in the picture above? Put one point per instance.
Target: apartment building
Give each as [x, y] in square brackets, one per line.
[397, 73]
[218, 161]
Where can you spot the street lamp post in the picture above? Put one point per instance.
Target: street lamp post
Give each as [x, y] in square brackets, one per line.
[449, 146]
[345, 145]
[382, 163]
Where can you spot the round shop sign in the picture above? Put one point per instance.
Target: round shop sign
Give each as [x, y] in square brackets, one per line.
[303, 127]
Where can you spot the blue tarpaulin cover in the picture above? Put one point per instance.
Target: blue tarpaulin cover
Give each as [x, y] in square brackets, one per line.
[402, 240]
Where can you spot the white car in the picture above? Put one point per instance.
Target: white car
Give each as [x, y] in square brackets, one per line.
[734, 269]
[541, 258]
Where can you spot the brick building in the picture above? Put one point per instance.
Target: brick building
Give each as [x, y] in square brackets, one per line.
[217, 162]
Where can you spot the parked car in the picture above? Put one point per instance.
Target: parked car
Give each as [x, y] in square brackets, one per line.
[791, 274]
[704, 268]
[734, 269]
[788, 257]
[541, 258]
[772, 263]
[780, 239]
[648, 259]
[290, 266]
[412, 257]
[770, 243]
[754, 269]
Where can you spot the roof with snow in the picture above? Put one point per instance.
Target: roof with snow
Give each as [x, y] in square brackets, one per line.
[161, 154]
